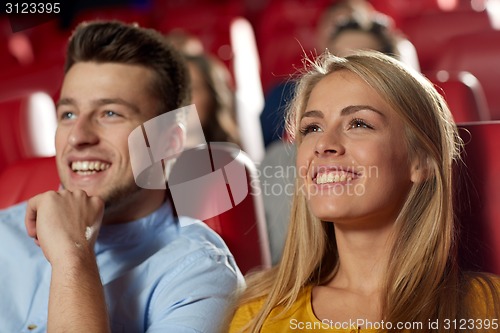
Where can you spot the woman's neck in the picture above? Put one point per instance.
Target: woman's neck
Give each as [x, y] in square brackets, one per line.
[363, 258]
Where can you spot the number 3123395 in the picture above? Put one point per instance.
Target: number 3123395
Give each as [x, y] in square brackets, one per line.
[32, 8]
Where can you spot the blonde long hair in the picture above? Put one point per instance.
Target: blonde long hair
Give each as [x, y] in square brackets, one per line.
[423, 280]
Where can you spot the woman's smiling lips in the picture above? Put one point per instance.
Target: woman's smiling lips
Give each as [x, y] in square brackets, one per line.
[333, 174]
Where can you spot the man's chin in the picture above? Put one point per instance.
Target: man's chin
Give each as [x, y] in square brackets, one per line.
[112, 197]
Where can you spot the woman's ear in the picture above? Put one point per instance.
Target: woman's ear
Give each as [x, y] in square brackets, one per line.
[419, 169]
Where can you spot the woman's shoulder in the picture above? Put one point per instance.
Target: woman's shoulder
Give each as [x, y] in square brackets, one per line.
[484, 284]
[484, 294]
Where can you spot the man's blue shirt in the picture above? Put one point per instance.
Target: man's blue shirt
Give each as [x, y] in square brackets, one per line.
[159, 274]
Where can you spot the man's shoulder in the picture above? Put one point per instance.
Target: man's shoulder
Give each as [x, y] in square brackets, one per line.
[197, 249]
[192, 242]
[201, 235]
[13, 215]
[13, 211]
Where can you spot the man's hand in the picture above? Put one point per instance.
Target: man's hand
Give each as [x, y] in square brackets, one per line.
[65, 225]
[64, 222]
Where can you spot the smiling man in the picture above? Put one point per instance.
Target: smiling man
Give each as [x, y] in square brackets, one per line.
[110, 256]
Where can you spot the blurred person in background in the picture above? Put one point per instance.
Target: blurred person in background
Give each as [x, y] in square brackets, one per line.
[211, 90]
[214, 97]
[352, 35]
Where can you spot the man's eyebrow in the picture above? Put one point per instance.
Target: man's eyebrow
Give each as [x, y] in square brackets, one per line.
[101, 102]
[65, 101]
[106, 101]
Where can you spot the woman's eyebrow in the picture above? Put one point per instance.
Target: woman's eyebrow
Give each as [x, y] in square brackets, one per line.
[355, 108]
[312, 114]
[348, 110]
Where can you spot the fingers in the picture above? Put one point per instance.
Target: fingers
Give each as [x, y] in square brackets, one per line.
[65, 207]
[30, 218]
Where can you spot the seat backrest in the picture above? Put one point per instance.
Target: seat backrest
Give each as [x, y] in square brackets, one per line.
[209, 22]
[464, 94]
[478, 197]
[26, 178]
[400, 10]
[286, 30]
[479, 54]
[27, 123]
[231, 204]
[127, 14]
[430, 31]
[11, 138]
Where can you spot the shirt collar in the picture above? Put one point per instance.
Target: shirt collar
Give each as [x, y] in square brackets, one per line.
[136, 231]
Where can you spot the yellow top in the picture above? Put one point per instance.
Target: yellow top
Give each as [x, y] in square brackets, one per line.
[301, 318]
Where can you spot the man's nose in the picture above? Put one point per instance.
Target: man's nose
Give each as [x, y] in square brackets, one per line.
[83, 133]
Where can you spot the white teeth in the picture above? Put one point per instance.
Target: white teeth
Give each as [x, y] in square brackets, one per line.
[332, 177]
[89, 167]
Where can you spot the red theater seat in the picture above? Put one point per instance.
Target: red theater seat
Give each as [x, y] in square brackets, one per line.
[48, 41]
[430, 31]
[11, 138]
[210, 22]
[478, 197]
[400, 10]
[20, 126]
[464, 95]
[26, 178]
[124, 14]
[287, 29]
[479, 54]
[22, 81]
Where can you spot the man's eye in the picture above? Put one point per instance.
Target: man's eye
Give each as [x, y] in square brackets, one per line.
[110, 113]
[67, 115]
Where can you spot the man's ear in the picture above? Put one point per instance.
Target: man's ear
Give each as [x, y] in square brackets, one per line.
[420, 169]
[175, 140]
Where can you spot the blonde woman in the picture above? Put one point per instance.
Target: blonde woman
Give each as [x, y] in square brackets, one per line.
[371, 244]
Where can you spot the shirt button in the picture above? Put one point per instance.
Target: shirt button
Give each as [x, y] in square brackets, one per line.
[31, 327]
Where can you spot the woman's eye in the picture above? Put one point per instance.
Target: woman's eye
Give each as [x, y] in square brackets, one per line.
[309, 129]
[359, 123]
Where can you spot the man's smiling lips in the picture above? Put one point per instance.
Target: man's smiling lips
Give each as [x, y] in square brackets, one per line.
[88, 166]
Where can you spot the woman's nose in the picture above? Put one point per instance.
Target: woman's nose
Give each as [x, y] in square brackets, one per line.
[329, 143]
